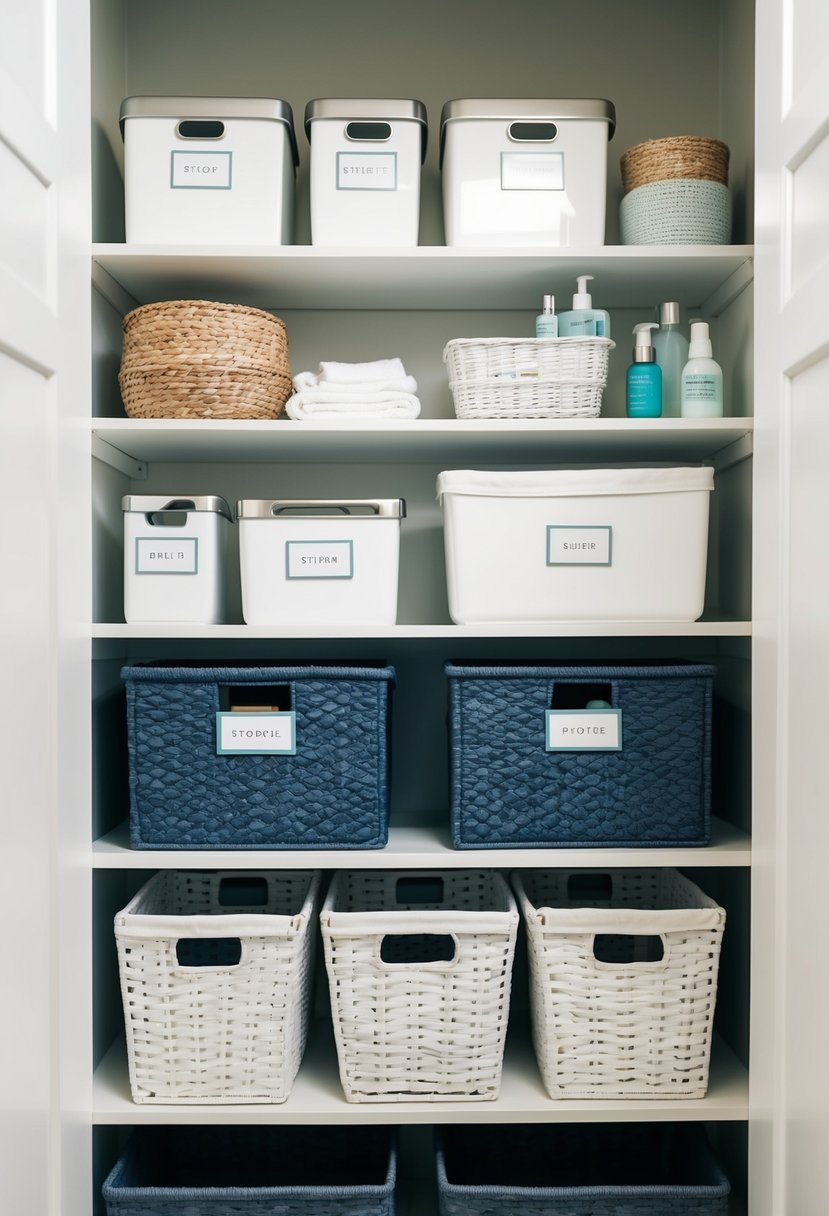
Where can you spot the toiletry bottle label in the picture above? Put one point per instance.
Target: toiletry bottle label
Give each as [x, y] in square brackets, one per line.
[573, 546]
[179, 556]
[201, 171]
[532, 170]
[319, 558]
[265, 734]
[366, 170]
[702, 386]
[584, 730]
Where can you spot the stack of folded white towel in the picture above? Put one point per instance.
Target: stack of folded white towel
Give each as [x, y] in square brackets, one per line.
[354, 390]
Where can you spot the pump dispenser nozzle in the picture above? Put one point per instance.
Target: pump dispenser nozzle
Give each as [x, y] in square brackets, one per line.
[643, 351]
[582, 297]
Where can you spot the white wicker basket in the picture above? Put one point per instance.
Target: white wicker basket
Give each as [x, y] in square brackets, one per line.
[419, 970]
[612, 1028]
[527, 377]
[201, 1026]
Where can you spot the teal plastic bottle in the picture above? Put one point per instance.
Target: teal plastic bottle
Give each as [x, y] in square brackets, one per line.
[644, 376]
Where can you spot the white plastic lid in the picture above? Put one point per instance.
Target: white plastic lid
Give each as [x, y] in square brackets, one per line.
[574, 483]
[700, 347]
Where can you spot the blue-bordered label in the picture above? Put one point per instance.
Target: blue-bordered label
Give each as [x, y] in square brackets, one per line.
[201, 170]
[591, 545]
[255, 734]
[532, 170]
[584, 730]
[366, 170]
[319, 558]
[154, 556]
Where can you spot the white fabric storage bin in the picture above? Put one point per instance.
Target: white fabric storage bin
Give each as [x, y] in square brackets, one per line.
[366, 155]
[576, 544]
[319, 562]
[174, 558]
[209, 170]
[525, 171]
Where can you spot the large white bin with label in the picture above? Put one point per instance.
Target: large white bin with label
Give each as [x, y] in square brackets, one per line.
[576, 544]
[527, 172]
[366, 155]
[209, 170]
[319, 562]
[174, 558]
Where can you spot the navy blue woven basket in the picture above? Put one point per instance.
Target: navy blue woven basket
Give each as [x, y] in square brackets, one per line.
[653, 1169]
[254, 1171]
[333, 793]
[508, 790]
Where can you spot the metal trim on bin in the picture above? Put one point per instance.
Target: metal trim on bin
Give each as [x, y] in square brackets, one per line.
[357, 109]
[148, 504]
[268, 108]
[533, 109]
[263, 508]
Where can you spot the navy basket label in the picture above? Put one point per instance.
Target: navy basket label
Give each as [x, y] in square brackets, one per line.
[319, 558]
[568, 545]
[255, 734]
[154, 556]
[584, 730]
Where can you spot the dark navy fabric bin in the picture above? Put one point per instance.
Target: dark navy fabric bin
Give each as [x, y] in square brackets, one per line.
[508, 790]
[331, 793]
[254, 1171]
[584, 1169]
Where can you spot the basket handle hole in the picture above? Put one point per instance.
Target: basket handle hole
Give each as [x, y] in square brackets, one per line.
[532, 131]
[255, 698]
[576, 696]
[622, 948]
[195, 128]
[209, 951]
[368, 130]
[243, 891]
[419, 889]
[166, 519]
[587, 889]
[410, 948]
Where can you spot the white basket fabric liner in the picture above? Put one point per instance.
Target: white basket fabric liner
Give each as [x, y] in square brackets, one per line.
[224, 1034]
[617, 1030]
[527, 378]
[419, 1031]
[574, 483]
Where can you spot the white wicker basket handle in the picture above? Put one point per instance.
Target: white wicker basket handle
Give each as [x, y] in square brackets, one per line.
[177, 967]
[421, 964]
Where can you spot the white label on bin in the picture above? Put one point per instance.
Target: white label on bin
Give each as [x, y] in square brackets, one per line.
[568, 545]
[319, 558]
[366, 170]
[584, 730]
[179, 556]
[201, 171]
[532, 170]
[265, 734]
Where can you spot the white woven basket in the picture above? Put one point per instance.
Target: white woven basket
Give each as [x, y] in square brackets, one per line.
[201, 1029]
[527, 377]
[615, 1029]
[419, 987]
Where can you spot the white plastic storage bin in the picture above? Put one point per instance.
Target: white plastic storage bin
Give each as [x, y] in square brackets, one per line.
[419, 970]
[576, 544]
[174, 559]
[320, 562]
[525, 172]
[209, 170]
[365, 170]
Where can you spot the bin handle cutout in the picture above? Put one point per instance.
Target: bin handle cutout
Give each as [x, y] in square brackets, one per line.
[629, 949]
[377, 132]
[200, 128]
[432, 950]
[243, 891]
[532, 132]
[419, 889]
[172, 515]
[208, 953]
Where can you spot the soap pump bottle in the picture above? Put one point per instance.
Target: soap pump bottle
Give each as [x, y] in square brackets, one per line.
[644, 376]
[583, 320]
[701, 389]
[546, 323]
[671, 348]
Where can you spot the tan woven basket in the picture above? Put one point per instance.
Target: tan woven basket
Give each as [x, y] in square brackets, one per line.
[200, 359]
[687, 156]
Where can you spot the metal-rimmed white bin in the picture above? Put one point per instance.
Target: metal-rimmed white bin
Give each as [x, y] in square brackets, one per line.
[576, 544]
[174, 558]
[366, 155]
[529, 171]
[319, 561]
[209, 170]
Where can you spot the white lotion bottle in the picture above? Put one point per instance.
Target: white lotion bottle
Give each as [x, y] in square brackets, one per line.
[672, 352]
[701, 390]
